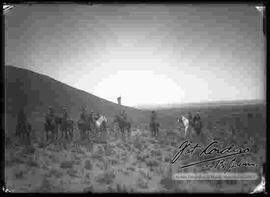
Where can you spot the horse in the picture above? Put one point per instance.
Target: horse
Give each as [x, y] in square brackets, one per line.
[85, 126]
[186, 124]
[192, 130]
[66, 127]
[154, 128]
[52, 127]
[123, 125]
[101, 124]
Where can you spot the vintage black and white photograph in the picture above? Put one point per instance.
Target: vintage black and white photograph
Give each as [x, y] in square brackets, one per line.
[135, 98]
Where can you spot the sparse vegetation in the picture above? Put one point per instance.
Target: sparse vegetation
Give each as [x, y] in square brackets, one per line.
[88, 189]
[56, 173]
[46, 186]
[152, 163]
[106, 178]
[66, 164]
[88, 165]
[19, 174]
[142, 183]
[167, 183]
[72, 173]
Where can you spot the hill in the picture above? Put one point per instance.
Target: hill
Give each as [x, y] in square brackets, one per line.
[35, 92]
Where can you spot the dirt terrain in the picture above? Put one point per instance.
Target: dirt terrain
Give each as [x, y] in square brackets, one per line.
[139, 163]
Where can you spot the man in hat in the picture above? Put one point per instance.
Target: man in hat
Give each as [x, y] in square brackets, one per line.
[64, 122]
[22, 129]
[92, 119]
[197, 123]
[190, 119]
[50, 121]
[83, 114]
[123, 115]
[153, 123]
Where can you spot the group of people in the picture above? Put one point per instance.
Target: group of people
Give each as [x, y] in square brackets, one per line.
[93, 116]
[52, 122]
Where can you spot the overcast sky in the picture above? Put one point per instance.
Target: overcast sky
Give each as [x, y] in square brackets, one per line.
[148, 54]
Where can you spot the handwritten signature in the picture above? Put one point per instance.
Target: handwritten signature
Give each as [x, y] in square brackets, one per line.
[187, 148]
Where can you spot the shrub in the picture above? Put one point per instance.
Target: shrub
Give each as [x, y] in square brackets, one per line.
[46, 186]
[19, 174]
[88, 165]
[56, 173]
[66, 164]
[72, 173]
[32, 163]
[88, 189]
[142, 183]
[152, 163]
[29, 150]
[106, 178]
[167, 183]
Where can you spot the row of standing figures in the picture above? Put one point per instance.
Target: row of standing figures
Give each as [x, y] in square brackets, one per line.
[56, 127]
[89, 125]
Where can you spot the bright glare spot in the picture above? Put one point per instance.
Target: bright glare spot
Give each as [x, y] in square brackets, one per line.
[139, 87]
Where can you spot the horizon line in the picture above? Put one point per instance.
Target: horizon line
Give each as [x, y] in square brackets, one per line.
[149, 106]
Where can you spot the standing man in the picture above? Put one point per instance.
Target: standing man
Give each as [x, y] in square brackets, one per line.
[83, 114]
[92, 122]
[50, 122]
[154, 124]
[197, 123]
[197, 117]
[190, 119]
[124, 115]
[21, 125]
[64, 122]
[82, 123]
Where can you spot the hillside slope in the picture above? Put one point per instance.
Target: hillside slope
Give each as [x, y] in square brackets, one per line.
[35, 92]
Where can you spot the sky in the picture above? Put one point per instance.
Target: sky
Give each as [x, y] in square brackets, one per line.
[147, 54]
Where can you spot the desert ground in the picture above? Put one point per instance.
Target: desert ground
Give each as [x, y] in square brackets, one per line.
[139, 163]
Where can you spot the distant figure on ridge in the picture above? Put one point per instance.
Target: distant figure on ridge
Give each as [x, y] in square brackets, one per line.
[154, 125]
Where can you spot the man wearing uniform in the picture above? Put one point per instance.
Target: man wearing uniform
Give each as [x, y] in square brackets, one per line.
[64, 122]
[123, 115]
[83, 114]
[197, 117]
[82, 123]
[190, 119]
[92, 116]
[50, 121]
[153, 116]
[153, 123]
[197, 122]
[22, 127]
[92, 120]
